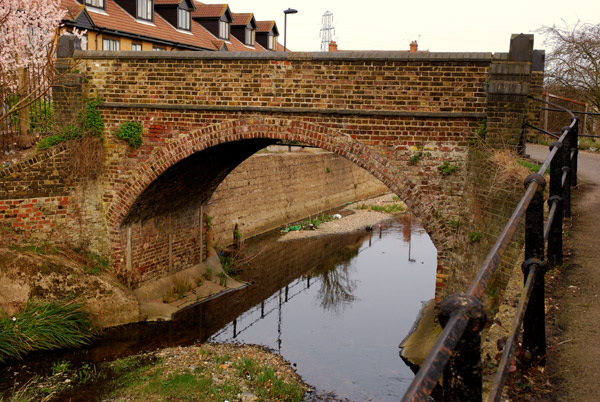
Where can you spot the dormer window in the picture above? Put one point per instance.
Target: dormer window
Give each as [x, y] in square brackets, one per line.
[184, 19]
[250, 35]
[95, 3]
[144, 10]
[223, 29]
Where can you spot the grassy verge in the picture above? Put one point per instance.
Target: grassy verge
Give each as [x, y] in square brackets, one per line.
[198, 373]
[44, 325]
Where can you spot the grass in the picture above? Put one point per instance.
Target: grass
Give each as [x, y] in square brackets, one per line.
[137, 380]
[43, 325]
[207, 273]
[181, 286]
[208, 374]
[530, 166]
[309, 224]
[388, 208]
[222, 278]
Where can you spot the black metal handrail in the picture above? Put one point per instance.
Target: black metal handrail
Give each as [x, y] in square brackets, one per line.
[457, 351]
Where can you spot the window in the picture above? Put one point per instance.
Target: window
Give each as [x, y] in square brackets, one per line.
[137, 47]
[110, 44]
[158, 49]
[223, 30]
[184, 19]
[250, 36]
[95, 3]
[270, 42]
[144, 9]
[84, 42]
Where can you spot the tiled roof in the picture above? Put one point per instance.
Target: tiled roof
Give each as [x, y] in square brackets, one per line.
[73, 9]
[209, 10]
[264, 26]
[241, 18]
[174, 2]
[237, 46]
[118, 19]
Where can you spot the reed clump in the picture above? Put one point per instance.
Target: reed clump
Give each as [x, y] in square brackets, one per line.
[44, 325]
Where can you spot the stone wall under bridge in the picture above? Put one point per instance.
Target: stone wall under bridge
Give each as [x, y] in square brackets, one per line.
[399, 116]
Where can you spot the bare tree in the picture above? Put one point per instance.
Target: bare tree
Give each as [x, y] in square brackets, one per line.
[573, 62]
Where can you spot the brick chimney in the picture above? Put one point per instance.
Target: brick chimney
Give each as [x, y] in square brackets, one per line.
[332, 46]
[413, 46]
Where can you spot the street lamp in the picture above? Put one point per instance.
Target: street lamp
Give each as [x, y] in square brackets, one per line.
[286, 12]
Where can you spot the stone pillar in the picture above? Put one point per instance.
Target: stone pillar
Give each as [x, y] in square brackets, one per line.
[536, 89]
[509, 85]
[67, 91]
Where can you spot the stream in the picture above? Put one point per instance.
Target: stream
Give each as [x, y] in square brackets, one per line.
[336, 307]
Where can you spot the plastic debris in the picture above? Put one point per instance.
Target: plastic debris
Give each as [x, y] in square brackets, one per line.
[337, 216]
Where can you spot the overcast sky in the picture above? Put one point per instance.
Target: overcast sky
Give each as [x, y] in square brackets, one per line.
[440, 26]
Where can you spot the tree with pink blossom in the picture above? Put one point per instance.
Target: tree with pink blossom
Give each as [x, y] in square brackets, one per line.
[28, 37]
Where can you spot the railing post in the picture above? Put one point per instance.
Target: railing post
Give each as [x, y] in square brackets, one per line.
[575, 149]
[462, 375]
[534, 328]
[566, 169]
[534, 219]
[555, 234]
[534, 322]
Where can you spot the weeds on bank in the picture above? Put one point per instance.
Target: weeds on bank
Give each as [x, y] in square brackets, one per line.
[309, 224]
[388, 208]
[43, 325]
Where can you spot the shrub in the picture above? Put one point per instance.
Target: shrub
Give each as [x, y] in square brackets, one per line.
[90, 120]
[131, 132]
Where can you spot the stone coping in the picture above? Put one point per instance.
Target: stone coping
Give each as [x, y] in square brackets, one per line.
[294, 56]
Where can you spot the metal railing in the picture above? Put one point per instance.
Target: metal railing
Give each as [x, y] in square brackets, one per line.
[457, 351]
[36, 118]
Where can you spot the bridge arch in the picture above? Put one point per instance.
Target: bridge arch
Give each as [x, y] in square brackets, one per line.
[133, 199]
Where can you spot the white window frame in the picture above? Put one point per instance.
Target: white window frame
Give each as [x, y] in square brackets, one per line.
[224, 30]
[111, 44]
[270, 41]
[158, 49]
[250, 36]
[144, 10]
[96, 3]
[184, 19]
[136, 47]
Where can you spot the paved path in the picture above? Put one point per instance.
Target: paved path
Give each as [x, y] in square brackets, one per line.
[574, 357]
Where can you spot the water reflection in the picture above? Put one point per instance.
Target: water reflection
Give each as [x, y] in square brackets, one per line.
[337, 285]
[341, 322]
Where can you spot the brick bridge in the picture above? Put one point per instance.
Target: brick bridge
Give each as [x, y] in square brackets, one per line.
[398, 115]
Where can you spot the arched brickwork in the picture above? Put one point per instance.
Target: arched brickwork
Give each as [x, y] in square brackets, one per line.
[182, 147]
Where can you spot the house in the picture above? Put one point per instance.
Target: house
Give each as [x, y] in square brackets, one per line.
[165, 25]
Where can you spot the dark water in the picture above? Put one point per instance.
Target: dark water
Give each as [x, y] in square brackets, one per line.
[336, 306]
[341, 323]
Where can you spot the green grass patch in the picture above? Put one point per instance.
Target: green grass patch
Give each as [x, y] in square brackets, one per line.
[43, 325]
[309, 224]
[529, 165]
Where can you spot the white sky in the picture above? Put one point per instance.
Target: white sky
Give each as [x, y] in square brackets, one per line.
[440, 26]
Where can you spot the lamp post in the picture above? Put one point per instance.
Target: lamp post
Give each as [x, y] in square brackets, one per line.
[286, 12]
